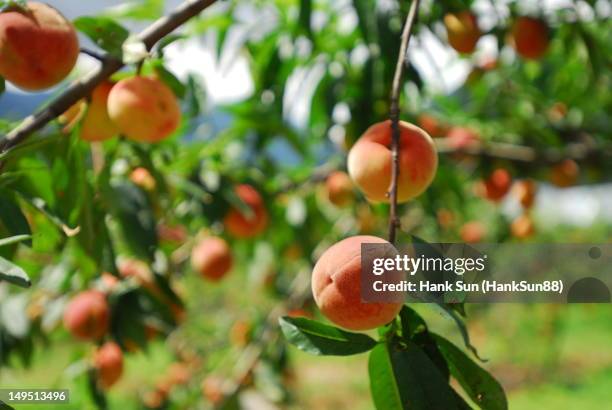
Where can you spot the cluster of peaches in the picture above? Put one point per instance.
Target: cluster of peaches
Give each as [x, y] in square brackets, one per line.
[39, 48]
[528, 35]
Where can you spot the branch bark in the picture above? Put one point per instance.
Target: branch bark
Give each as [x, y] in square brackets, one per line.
[109, 65]
[394, 116]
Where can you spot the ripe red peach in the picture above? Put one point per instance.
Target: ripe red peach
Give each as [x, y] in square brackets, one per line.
[97, 125]
[38, 46]
[212, 258]
[247, 225]
[339, 188]
[144, 109]
[473, 232]
[565, 173]
[108, 362]
[529, 37]
[336, 287]
[462, 31]
[87, 315]
[369, 162]
[497, 184]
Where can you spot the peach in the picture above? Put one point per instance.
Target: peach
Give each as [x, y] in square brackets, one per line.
[108, 362]
[525, 191]
[179, 374]
[473, 232]
[240, 333]
[172, 233]
[339, 188]
[336, 287]
[87, 315]
[38, 46]
[462, 137]
[529, 37]
[522, 227]
[154, 399]
[70, 118]
[462, 31]
[212, 389]
[247, 225]
[497, 185]
[431, 125]
[212, 258]
[565, 173]
[445, 218]
[97, 125]
[369, 162]
[144, 109]
[142, 177]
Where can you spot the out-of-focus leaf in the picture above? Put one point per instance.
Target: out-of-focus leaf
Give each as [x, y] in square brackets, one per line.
[13, 218]
[137, 10]
[12, 273]
[2, 85]
[13, 311]
[482, 388]
[319, 339]
[105, 32]
[178, 88]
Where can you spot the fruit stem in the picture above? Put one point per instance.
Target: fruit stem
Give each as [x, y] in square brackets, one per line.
[394, 116]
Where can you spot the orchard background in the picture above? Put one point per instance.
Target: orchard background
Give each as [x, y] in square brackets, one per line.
[273, 94]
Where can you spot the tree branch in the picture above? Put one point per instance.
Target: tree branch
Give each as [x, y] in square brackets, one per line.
[109, 65]
[394, 116]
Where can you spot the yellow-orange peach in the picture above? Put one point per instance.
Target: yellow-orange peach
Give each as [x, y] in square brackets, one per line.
[142, 177]
[369, 162]
[339, 188]
[212, 258]
[336, 287]
[87, 315]
[522, 227]
[144, 109]
[525, 191]
[240, 333]
[473, 232]
[179, 374]
[462, 31]
[529, 37]
[565, 173]
[38, 46]
[97, 125]
[72, 116]
[497, 184]
[108, 362]
[247, 225]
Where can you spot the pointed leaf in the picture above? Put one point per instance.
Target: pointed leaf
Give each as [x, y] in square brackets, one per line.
[14, 274]
[319, 339]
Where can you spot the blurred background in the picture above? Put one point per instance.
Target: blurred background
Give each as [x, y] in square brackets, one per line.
[274, 94]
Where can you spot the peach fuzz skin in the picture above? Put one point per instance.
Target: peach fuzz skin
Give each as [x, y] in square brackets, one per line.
[38, 48]
[336, 288]
[369, 162]
[212, 258]
[144, 109]
[87, 315]
[247, 226]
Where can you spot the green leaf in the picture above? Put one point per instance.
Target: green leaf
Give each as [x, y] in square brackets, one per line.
[480, 386]
[403, 378]
[6, 4]
[13, 218]
[319, 339]
[4, 406]
[412, 323]
[2, 85]
[104, 31]
[12, 273]
[14, 239]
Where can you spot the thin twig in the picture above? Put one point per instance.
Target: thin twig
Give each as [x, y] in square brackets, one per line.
[83, 87]
[394, 116]
[92, 53]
